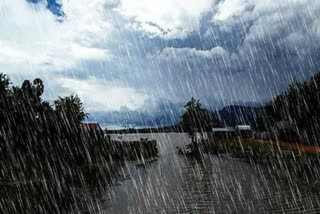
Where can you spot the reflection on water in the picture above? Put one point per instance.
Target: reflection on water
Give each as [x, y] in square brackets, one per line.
[175, 184]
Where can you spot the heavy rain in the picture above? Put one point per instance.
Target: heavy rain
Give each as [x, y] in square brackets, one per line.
[159, 106]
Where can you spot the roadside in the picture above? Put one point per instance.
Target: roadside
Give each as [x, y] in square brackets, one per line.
[288, 145]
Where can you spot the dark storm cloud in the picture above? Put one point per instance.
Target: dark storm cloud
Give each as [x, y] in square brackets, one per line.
[234, 50]
[262, 53]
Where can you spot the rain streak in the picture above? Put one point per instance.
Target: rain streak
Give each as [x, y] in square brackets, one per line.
[159, 106]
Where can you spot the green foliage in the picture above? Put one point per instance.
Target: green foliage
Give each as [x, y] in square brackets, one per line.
[241, 149]
[4, 83]
[196, 118]
[33, 132]
[299, 105]
[71, 108]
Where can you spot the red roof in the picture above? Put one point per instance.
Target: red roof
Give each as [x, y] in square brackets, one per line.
[91, 126]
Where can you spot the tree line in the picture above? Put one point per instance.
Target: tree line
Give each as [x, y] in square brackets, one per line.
[35, 134]
[295, 113]
[299, 106]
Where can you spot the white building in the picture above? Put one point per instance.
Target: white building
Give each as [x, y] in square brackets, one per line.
[231, 131]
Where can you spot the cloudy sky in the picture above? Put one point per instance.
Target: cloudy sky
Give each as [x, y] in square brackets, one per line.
[116, 53]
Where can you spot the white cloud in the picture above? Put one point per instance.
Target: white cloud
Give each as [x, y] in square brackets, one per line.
[165, 18]
[31, 35]
[95, 31]
[229, 8]
[100, 95]
[198, 59]
[271, 27]
[233, 10]
[179, 53]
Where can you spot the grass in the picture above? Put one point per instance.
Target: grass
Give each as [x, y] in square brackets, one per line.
[264, 150]
[241, 148]
[269, 152]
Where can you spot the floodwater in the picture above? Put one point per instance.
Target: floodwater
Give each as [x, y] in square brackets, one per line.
[173, 184]
[177, 184]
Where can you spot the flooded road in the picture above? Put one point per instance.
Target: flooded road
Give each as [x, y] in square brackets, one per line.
[176, 184]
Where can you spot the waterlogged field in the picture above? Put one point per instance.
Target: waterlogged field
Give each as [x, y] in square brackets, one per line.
[176, 184]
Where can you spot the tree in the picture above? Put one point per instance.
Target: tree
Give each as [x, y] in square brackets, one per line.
[196, 119]
[71, 110]
[300, 106]
[4, 83]
[38, 87]
[4, 88]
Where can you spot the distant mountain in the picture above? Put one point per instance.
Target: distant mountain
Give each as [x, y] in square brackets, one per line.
[249, 104]
[153, 113]
[236, 115]
[161, 112]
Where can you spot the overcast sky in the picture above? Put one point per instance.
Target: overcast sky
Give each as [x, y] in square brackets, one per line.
[115, 53]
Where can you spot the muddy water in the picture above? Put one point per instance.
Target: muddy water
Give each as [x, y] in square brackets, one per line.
[176, 184]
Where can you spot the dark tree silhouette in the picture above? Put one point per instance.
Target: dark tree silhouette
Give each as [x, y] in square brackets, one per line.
[71, 108]
[299, 106]
[196, 119]
[4, 83]
[33, 131]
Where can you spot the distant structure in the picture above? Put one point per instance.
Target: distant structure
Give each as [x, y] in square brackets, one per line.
[244, 131]
[91, 126]
[231, 131]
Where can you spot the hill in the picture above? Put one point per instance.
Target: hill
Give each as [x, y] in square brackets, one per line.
[236, 115]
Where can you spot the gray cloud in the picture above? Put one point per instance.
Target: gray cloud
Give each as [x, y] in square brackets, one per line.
[233, 50]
